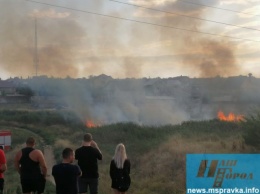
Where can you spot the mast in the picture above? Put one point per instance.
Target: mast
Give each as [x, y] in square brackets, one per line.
[35, 48]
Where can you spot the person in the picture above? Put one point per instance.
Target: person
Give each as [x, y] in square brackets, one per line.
[31, 165]
[66, 174]
[3, 168]
[88, 155]
[120, 170]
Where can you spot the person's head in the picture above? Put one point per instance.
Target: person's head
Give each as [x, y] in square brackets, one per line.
[30, 142]
[120, 155]
[87, 137]
[68, 155]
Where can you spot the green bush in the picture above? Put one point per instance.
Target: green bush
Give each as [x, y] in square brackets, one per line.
[44, 118]
[252, 130]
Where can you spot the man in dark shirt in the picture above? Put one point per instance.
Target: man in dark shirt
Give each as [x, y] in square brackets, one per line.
[66, 174]
[31, 166]
[88, 155]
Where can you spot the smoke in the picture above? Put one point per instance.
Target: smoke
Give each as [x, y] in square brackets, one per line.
[59, 37]
[204, 55]
[132, 67]
[104, 100]
[68, 41]
[213, 58]
[70, 44]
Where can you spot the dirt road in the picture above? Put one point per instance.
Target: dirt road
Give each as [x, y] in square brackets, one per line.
[50, 161]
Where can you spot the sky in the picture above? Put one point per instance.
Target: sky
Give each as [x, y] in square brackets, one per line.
[130, 38]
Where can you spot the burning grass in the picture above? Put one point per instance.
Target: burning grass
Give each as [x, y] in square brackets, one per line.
[231, 117]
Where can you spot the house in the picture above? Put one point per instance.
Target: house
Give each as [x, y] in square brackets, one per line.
[9, 94]
[7, 88]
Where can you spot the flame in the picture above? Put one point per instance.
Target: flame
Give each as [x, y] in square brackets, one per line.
[229, 117]
[90, 124]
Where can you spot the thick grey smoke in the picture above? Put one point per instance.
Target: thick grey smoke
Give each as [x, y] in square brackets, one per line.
[103, 45]
[104, 100]
[207, 56]
[67, 48]
[59, 37]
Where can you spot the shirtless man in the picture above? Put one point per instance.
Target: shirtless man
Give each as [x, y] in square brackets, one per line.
[31, 166]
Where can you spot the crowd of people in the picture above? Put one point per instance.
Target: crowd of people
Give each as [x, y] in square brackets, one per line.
[70, 177]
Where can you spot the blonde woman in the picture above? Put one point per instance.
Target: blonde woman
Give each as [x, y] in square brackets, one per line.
[120, 170]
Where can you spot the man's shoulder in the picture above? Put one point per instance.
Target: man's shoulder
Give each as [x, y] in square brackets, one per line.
[65, 165]
[57, 166]
[78, 151]
[79, 148]
[85, 148]
[37, 155]
[55, 169]
[36, 151]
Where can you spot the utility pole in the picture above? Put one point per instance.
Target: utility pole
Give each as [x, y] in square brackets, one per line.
[35, 60]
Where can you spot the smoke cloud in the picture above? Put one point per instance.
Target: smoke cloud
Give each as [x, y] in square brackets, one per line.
[59, 37]
[76, 44]
[205, 55]
[103, 100]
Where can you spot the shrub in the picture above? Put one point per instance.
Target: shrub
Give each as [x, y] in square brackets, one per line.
[252, 130]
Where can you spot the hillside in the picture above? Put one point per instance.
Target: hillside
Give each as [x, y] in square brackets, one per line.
[147, 101]
[157, 154]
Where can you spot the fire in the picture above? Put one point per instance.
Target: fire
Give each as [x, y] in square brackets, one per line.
[229, 117]
[90, 124]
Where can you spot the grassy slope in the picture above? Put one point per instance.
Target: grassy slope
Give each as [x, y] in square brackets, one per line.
[157, 154]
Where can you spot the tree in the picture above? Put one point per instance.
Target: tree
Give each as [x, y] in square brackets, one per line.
[25, 90]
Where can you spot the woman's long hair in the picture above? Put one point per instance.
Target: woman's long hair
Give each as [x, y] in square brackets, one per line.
[120, 155]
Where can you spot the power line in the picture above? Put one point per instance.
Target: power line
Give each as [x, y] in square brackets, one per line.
[230, 10]
[143, 22]
[184, 15]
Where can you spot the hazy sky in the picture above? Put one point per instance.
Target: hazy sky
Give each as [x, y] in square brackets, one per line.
[79, 42]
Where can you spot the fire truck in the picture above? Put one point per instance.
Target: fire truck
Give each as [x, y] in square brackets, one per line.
[5, 139]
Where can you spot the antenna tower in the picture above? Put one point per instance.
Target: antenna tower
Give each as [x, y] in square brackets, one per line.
[35, 60]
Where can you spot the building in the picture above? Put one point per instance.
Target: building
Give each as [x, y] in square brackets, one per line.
[6, 88]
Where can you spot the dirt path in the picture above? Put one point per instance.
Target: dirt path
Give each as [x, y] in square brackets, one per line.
[50, 161]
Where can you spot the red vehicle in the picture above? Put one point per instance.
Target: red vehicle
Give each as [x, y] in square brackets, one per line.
[5, 139]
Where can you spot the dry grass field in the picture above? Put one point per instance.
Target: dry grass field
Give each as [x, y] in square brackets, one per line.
[157, 153]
